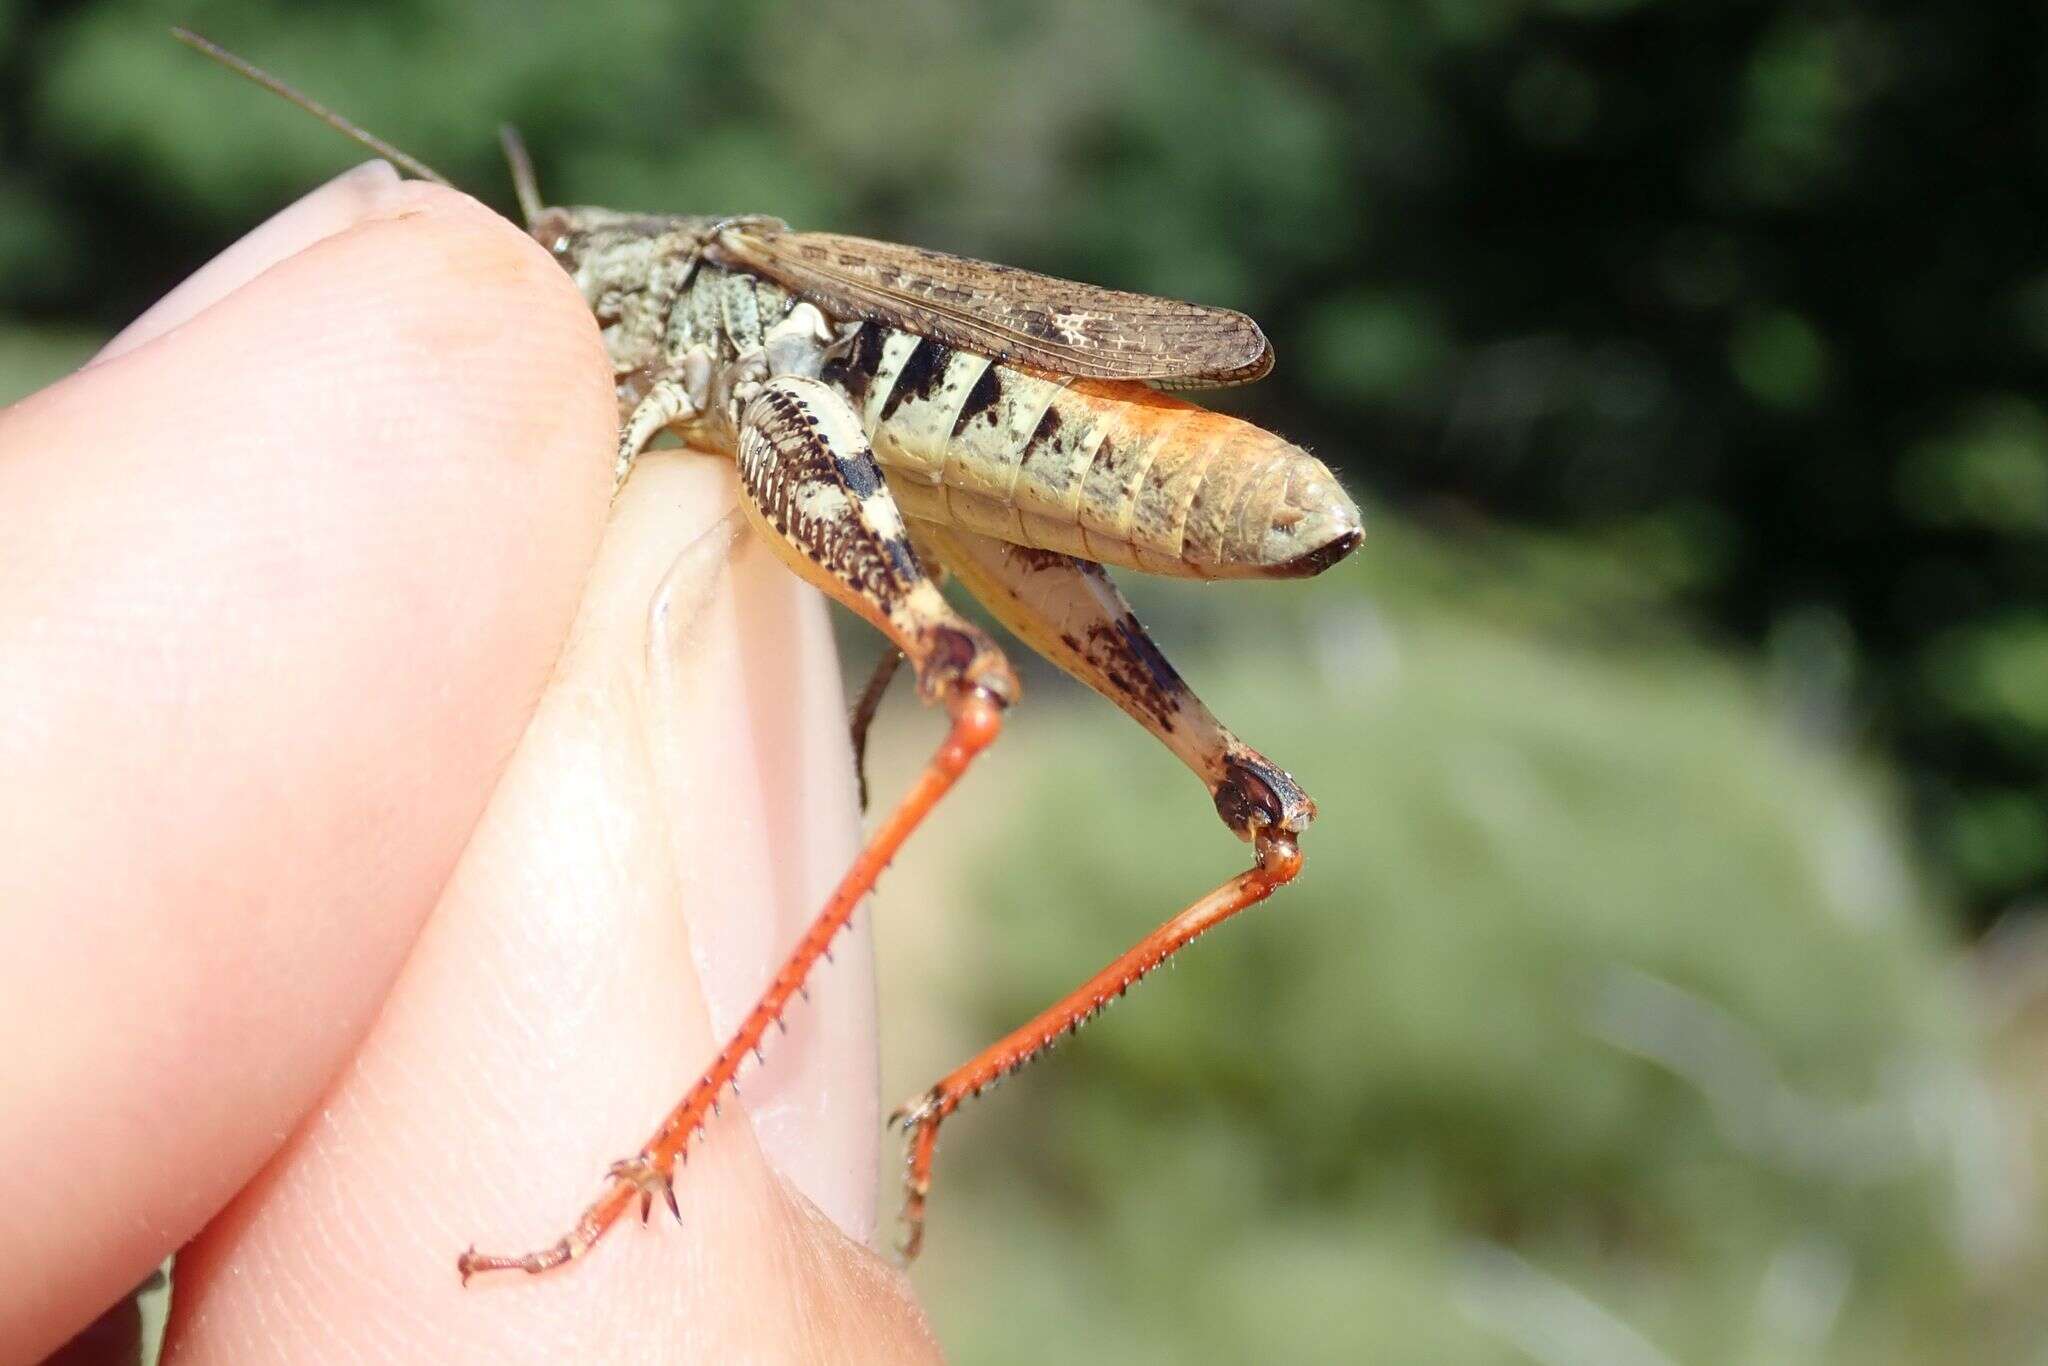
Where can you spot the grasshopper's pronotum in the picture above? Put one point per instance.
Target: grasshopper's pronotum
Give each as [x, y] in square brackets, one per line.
[896, 414]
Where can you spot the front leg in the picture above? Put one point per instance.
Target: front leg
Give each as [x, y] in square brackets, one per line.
[862, 717]
[671, 401]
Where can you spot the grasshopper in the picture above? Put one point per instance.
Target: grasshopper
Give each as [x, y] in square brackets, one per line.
[898, 415]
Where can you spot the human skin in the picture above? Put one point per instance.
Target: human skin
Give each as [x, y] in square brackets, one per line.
[392, 827]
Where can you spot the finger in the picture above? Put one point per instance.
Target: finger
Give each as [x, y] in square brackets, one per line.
[276, 596]
[368, 190]
[674, 814]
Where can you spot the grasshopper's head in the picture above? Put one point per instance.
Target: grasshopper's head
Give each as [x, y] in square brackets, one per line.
[602, 244]
[594, 243]
[599, 247]
[614, 258]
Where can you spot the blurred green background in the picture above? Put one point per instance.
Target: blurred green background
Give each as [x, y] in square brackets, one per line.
[1668, 982]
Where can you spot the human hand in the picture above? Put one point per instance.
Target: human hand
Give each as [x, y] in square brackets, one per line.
[346, 916]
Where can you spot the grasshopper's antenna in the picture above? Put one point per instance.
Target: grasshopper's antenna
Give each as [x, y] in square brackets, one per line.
[523, 183]
[311, 106]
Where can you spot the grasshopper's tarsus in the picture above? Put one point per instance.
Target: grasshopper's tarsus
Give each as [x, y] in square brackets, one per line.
[559, 1253]
[666, 404]
[648, 1180]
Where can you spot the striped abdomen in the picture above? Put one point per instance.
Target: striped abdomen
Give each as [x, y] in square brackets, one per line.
[1109, 471]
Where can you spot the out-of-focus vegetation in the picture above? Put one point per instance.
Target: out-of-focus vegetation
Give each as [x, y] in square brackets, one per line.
[1686, 698]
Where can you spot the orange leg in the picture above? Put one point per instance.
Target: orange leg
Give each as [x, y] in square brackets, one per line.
[1279, 860]
[976, 721]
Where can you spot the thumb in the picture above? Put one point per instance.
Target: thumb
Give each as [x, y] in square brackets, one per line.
[278, 585]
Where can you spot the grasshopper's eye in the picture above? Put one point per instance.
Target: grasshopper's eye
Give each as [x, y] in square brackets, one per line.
[560, 246]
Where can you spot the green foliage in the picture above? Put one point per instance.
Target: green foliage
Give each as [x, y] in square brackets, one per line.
[1988, 471]
[1779, 359]
[31, 357]
[1607, 1016]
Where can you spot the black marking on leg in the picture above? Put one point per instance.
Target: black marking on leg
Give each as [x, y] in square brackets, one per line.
[1134, 665]
[1257, 794]
[903, 556]
[949, 653]
[783, 450]
[1034, 559]
[861, 474]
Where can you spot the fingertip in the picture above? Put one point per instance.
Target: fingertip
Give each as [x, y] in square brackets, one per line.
[555, 1008]
[473, 319]
[861, 1305]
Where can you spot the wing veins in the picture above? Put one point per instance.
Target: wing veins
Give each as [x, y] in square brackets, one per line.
[1208, 345]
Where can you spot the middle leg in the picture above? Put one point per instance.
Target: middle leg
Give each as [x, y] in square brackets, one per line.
[862, 718]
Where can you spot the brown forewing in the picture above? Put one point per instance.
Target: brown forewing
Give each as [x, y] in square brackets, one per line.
[1010, 314]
